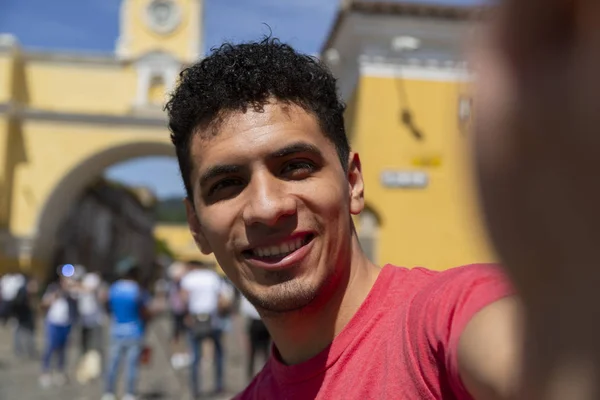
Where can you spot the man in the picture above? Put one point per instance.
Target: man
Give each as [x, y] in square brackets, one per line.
[204, 292]
[129, 306]
[272, 186]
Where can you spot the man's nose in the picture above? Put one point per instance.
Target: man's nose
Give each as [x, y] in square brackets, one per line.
[269, 201]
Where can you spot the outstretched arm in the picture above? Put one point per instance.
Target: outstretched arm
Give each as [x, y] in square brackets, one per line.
[489, 351]
[537, 149]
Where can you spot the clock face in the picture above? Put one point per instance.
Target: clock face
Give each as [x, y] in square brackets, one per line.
[163, 16]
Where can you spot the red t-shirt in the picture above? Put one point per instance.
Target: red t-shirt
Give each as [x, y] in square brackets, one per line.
[401, 343]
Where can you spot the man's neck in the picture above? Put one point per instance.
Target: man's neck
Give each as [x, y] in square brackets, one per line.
[302, 335]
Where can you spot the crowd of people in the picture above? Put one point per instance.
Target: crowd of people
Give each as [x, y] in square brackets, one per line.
[109, 321]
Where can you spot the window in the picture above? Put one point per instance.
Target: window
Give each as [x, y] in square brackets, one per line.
[156, 90]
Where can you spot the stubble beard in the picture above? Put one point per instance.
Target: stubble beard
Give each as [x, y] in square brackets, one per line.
[286, 293]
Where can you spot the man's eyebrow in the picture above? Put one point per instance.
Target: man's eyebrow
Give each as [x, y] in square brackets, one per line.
[217, 170]
[225, 169]
[299, 147]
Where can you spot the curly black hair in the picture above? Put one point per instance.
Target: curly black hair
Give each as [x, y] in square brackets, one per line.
[234, 77]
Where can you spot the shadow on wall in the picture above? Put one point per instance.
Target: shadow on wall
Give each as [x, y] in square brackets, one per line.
[16, 155]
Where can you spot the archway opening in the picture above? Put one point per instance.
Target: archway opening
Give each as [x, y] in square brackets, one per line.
[104, 210]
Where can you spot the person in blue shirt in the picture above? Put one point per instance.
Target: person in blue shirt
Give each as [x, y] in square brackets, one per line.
[128, 304]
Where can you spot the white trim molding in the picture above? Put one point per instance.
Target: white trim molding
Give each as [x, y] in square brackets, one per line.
[414, 69]
[154, 65]
[123, 43]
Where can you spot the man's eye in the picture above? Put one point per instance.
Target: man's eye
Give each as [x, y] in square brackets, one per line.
[223, 184]
[298, 169]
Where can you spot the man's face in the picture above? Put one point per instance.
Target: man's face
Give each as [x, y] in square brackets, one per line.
[273, 203]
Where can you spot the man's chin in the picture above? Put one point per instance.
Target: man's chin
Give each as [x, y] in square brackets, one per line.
[284, 297]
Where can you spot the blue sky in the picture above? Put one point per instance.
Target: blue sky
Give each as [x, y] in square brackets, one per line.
[92, 25]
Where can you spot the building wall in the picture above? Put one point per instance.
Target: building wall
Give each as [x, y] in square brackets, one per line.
[180, 241]
[107, 225]
[52, 150]
[79, 85]
[437, 226]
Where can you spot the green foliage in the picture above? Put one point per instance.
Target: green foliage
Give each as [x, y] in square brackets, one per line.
[171, 211]
[162, 248]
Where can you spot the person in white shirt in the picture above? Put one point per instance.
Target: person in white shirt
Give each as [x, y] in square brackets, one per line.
[9, 287]
[90, 302]
[61, 306]
[205, 294]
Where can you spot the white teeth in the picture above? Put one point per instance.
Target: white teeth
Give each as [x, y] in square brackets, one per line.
[282, 249]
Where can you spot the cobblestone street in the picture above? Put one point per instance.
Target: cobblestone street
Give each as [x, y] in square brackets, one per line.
[158, 380]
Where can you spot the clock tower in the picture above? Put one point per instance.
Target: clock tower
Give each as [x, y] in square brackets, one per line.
[173, 27]
[158, 38]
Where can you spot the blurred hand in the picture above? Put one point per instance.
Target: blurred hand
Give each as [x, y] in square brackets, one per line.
[537, 149]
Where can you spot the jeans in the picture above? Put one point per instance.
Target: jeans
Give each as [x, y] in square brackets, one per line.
[196, 347]
[56, 342]
[131, 349]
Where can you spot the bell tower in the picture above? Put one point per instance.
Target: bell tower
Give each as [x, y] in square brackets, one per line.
[174, 27]
[158, 38]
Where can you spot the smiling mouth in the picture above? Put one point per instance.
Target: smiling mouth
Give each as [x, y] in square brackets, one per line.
[273, 254]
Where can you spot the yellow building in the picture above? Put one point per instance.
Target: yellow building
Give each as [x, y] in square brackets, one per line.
[65, 118]
[180, 241]
[401, 71]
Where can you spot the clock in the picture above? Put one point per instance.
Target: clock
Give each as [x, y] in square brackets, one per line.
[163, 16]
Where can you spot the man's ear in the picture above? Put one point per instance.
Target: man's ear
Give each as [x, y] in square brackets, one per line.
[195, 228]
[356, 184]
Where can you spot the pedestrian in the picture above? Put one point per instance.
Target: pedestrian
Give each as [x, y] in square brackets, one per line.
[205, 295]
[177, 307]
[9, 287]
[61, 313]
[24, 315]
[128, 303]
[258, 336]
[91, 303]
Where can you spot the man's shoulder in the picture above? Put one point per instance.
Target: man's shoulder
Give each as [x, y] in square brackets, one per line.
[425, 273]
[423, 282]
[124, 289]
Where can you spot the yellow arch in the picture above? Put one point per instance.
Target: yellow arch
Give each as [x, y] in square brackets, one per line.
[66, 192]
